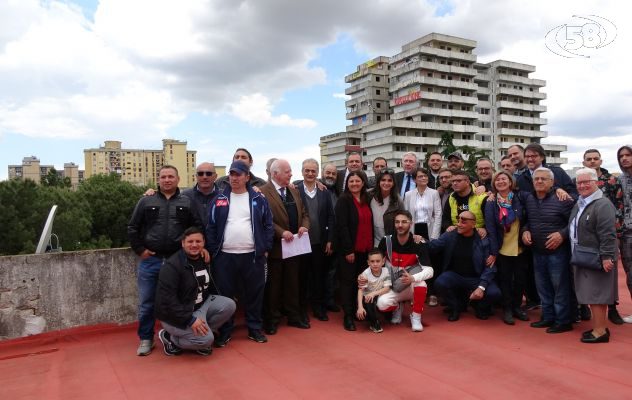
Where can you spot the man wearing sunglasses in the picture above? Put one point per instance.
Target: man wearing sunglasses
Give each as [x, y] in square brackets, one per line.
[204, 190]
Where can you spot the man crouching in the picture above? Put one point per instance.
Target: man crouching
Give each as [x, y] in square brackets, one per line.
[187, 300]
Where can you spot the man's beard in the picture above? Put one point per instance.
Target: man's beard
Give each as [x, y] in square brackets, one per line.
[330, 183]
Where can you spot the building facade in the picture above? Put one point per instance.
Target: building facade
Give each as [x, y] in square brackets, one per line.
[141, 166]
[435, 85]
[32, 169]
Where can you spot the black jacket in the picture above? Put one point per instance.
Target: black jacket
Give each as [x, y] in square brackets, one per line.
[177, 291]
[157, 223]
[325, 212]
[561, 180]
[546, 216]
[399, 180]
[202, 201]
[347, 220]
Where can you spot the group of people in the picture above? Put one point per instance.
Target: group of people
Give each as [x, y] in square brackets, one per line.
[430, 234]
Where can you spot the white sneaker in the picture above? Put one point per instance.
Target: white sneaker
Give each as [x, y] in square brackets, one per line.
[628, 319]
[415, 322]
[145, 347]
[397, 315]
[433, 301]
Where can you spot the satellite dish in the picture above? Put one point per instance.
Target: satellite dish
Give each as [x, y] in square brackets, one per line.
[44, 241]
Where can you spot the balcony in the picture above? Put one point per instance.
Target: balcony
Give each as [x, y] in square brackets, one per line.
[478, 144]
[356, 88]
[360, 111]
[557, 160]
[521, 133]
[442, 112]
[521, 106]
[417, 78]
[447, 98]
[522, 120]
[522, 93]
[521, 79]
[434, 66]
[455, 55]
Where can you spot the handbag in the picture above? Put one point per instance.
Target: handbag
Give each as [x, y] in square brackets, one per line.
[586, 257]
[397, 285]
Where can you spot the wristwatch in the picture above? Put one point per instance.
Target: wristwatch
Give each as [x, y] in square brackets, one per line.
[482, 288]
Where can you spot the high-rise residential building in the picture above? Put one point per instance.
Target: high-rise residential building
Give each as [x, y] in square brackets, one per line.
[33, 170]
[436, 85]
[141, 166]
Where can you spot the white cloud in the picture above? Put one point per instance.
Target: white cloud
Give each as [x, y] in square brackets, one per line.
[341, 96]
[256, 110]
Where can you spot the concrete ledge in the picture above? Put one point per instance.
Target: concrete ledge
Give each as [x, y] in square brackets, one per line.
[47, 292]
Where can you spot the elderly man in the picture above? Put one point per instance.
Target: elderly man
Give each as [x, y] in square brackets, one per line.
[463, 198]
[516, 153]
[244, 155]
[624, 157]
[379, 164]
[535, 158]
[289, 218]
[353, 163]
[435, 164]
[545, 231]
[314, 266]
[507, 165]
[405, 180]
[484, 172]
[466, 268]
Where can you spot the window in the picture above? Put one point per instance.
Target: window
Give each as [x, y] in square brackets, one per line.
[377, 91]
[378, 105]
[377, 79]
[429, 74]
[430, 90]
[443, 76]
[379, 118]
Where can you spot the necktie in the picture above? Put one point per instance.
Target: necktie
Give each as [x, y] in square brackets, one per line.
[407, 188]
[282, 191]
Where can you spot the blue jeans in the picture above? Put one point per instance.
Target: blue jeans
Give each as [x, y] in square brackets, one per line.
[553, 280]
[148, 271]
[449, 285]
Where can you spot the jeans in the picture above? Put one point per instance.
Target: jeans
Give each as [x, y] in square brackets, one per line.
[553, 280]
[449, 284]
[148, 270]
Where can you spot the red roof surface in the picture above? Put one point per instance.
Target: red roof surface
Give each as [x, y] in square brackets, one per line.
[468, 359]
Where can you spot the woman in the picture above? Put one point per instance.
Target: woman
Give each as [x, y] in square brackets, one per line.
[384, 204]
[592, 226]
[354, 239]
[503, 218]
[424, 204]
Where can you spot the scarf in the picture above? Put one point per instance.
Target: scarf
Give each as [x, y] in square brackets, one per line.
[506, 214]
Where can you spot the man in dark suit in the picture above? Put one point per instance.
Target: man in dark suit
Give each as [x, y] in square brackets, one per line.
[289, 218]
[435, 164]
[353, 163]
[405, 180]
[379, 164]
[314, 269]
[536, 158]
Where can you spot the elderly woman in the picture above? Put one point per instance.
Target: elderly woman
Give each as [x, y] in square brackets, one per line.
[503, 219]
[592, 230]
[385, 202]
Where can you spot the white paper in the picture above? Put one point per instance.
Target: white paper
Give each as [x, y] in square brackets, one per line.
[298, 246]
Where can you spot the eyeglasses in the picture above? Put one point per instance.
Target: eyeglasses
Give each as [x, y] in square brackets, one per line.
[585, 183]
[388, 171]
[457, 180]
[207, 173]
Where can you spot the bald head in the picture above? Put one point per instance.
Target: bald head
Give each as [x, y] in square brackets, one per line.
[205, 176]
[466, 223]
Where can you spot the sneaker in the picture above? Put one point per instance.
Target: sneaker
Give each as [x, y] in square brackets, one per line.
[415, 322]
[433, 301]
[376, 327]
[628, 319]
[222, 340]
[145, 347]
[205, 352]
[170, 348]
[397, 315]
[257, 336]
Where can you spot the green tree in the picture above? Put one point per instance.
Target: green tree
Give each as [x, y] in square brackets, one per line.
[18, 219]
[53, 179]
[470, 154]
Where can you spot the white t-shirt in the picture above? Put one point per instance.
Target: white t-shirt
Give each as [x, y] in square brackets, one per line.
[238, 233]
[375, 283]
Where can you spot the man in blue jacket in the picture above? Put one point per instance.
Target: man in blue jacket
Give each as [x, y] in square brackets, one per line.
[239, 234]
[465, 269]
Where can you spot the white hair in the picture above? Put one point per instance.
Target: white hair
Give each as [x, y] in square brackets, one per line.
[409, 153]
[310, 161]
[548, 171]
[587, 171]
[276, 165]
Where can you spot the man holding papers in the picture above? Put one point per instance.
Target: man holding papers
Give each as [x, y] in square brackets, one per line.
[289, 218]
[239, 236]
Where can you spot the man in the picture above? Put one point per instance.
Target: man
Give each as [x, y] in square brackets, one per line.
[535, 158]
[435, 164]
[268, 164]
[244, 155]
[405, 253]
[314, 267]
[516, 152]
[484, 172]
[329, 176]
[465, 269]
[204, 190]
[187, 302]
[239, 235]
[445, 185]
[154, 232]
[545, 232]
[455, 162]
[405, 180]
[612, 190]
[353, 163]
[289, 218]
[379, 164]
[507, 165]
[463, 198]
[624, 157]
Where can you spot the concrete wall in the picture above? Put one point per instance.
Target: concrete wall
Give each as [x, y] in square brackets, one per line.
[46, 292]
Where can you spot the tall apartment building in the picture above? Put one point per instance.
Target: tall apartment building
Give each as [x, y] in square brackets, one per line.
[435, 86]
[32, 169]
[141, 166]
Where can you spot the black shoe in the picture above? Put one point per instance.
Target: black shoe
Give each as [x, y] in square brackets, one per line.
[298, 324]
[532, 305]
[321, 315]
[542, 324]
[205, 352]
[222, 340]
[257, 336]
[376, 327]
[270, 330]
[454, 316]
[168, 346]
[447, 310]
[588, 333]
[560, 328]
[480, 313]
[605, 338]
[508, 317]
[333, 308]
[614, 317]
[348, 323]
[584, 312]
[520, 314]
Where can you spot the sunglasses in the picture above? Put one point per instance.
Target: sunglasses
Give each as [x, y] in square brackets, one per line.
[207, 173]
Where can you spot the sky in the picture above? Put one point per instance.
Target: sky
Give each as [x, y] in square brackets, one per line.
[268, 75]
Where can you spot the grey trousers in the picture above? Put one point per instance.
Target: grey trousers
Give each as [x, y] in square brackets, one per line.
[215, 311]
